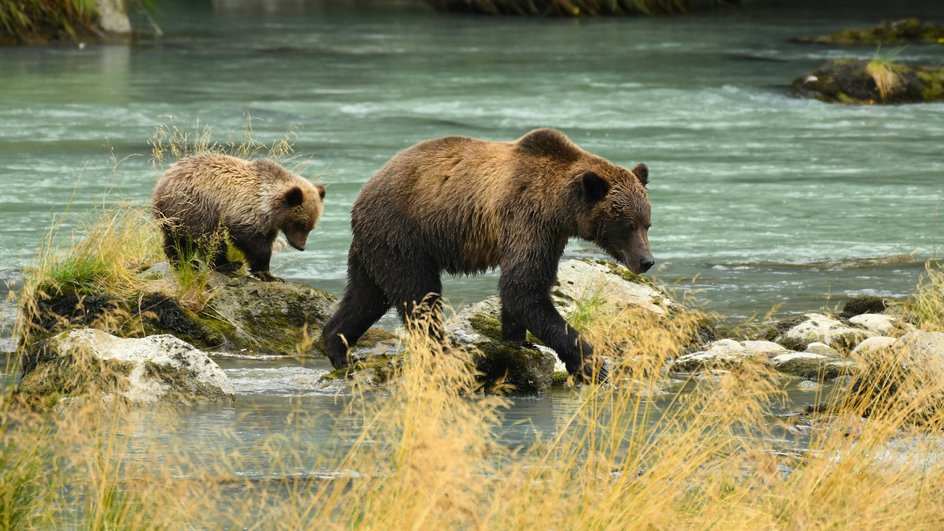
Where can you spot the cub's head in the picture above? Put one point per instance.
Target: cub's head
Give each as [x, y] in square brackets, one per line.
[297, 209]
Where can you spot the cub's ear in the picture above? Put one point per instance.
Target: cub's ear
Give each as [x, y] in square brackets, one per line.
[594, 187]
[321, 191]
[293, 197]
[641, 171]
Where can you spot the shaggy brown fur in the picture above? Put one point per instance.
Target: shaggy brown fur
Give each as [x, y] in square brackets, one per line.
[465, 205]
[202, 199]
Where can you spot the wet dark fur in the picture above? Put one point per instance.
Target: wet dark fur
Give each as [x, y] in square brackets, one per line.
[464, 205]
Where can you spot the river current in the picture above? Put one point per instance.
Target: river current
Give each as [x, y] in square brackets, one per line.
[758, 198]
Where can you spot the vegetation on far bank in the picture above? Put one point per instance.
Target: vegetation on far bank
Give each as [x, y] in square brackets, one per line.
[575, 8]
[905, 31]
[37, 21]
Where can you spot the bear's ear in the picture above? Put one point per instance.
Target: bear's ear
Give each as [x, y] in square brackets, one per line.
[594, 187]
[641, 171]
[293, 197]
[321, 191]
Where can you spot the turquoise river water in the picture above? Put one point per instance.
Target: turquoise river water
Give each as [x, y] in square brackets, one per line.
[758, 198]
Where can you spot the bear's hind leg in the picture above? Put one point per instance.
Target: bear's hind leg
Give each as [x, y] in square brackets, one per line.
[362, 305]
[419, 301]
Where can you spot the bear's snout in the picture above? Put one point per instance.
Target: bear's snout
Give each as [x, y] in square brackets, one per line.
[647, 264]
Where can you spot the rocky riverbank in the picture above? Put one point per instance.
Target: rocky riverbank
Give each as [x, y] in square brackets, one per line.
[153, 345]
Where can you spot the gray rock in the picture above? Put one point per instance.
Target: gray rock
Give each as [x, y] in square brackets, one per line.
[813, 366]
[721, 354]
[924, 350]
[797, 333]
[879, 323]
[113, 17]
[764, 348]
[617, 286]
[873, 345]
[139, 370]
[822, 349]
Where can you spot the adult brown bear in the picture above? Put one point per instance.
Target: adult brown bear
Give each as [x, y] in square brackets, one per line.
[464, 205]
[204, 198]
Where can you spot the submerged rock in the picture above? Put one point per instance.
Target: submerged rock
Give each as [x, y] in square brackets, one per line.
[905, 31]
[811, 365]
[138, 370]
[854, 81]
[798, 333]
[864, 304]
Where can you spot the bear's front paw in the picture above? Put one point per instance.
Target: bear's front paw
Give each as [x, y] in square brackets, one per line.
[593, 370]
[266, 276]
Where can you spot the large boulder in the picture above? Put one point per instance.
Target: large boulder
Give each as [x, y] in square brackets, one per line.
[226, 313]
[615, 286]
[799, 332]
[139, 370]
[906, 378]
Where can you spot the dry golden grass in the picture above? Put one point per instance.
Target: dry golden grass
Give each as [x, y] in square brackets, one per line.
[925, 307]
[631, 455]
[886, 79]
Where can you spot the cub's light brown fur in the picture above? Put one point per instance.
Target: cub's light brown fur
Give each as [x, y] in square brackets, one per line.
[201, 196]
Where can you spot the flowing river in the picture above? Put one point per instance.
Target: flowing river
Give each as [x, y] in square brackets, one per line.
[758, 198]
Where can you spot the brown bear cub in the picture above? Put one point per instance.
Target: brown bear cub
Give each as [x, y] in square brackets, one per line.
[203, 199]
[464, 205]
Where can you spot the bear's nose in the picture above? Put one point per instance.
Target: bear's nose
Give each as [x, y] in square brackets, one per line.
[647, 264]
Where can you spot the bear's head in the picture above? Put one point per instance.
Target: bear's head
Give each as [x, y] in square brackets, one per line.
[610, 203]
[297, 210]
[614, 211]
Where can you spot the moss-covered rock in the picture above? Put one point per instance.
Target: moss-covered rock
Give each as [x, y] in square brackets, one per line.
[905, 31]
[585, 289]
[864, 304]
[852, 81]
[92, 363]
[235, 314]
